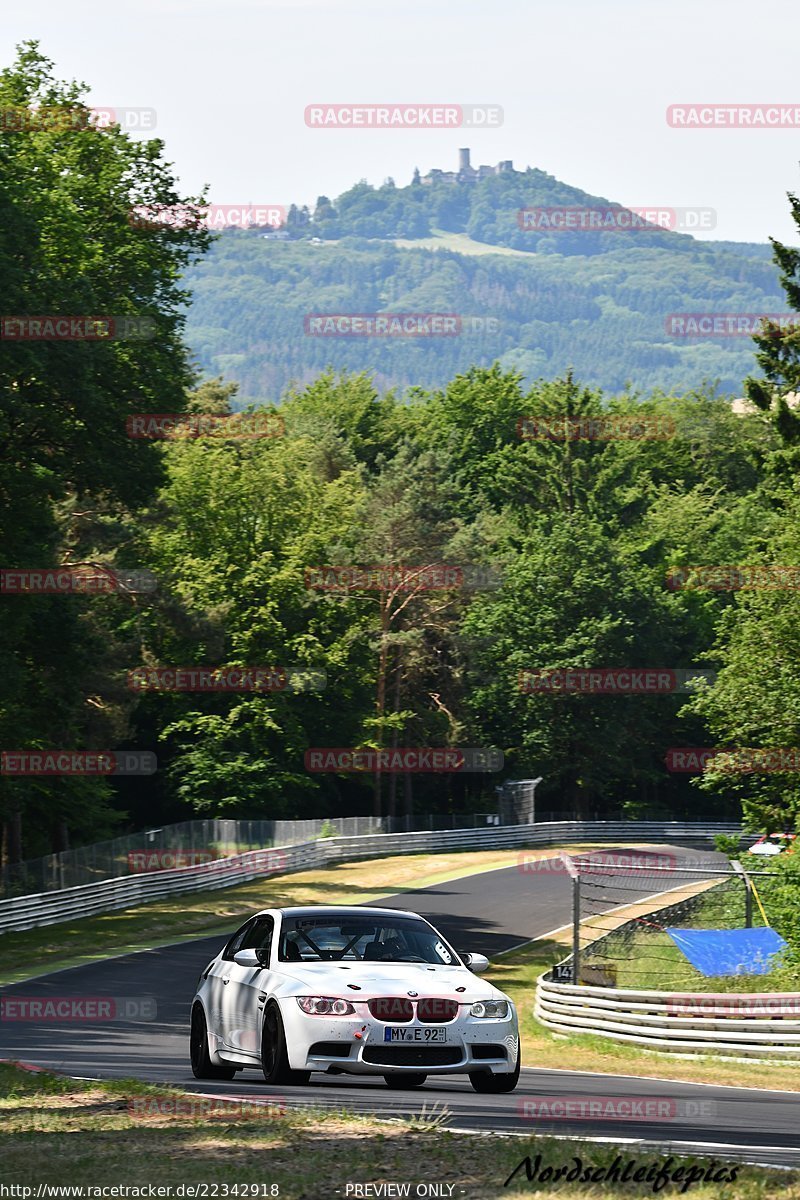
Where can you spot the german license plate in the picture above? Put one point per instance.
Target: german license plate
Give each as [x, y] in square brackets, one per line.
[394, 1034]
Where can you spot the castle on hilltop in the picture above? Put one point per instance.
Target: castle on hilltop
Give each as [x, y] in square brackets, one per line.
[465, 172]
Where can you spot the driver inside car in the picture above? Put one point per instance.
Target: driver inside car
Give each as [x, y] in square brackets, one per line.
[388, 951]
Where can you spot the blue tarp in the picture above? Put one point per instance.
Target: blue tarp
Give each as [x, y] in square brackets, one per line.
[728, 951]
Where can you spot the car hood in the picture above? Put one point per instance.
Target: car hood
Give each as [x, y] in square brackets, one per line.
[387, 979]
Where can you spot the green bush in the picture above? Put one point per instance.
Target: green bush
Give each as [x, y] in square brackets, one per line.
[780, 895]
[727, 845]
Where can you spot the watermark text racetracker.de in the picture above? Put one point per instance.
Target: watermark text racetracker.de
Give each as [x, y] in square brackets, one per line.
[733, 116]
[401, 577]
[87, 580]
[575, 218]
[758, 576]
[78, 762]
[207, 216]
[529, 862]
[227, 679]
[614, 1108]
[737, 1007]
[76, 328]
[613, 681]
[397, 324]
[733, 760]
[609, 428]
[402, 759]
[201, 1108]
[737, 325]
[161, 426]
[63, 118]
[141, 1191]
[77, 1009]
[264, 862]
[403, 116]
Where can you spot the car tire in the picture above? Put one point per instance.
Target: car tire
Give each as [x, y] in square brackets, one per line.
[202, 1066]
[412, 1079]
[487, 1083]
[274, 1057]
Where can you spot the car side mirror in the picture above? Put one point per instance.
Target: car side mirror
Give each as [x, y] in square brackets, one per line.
[477, 963]
[248, 958]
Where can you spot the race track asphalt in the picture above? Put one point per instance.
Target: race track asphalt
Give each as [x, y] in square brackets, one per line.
[489, 912]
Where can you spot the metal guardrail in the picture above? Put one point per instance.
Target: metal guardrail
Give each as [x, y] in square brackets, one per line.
[755, 1024]
[49, 908]
[763, 1025]
[199, 841]
[107, 895]
[513, 836]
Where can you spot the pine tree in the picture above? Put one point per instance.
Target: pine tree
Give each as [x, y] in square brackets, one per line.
[779, 353]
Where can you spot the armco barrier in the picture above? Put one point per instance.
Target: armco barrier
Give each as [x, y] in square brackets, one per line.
[48, 908]
[759, 1024]
[762, 1025]
[207, 838]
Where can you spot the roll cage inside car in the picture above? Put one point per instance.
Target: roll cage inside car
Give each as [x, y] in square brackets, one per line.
[334, 936]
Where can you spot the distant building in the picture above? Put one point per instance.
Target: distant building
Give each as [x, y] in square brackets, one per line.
[277, 235]
[466, 173]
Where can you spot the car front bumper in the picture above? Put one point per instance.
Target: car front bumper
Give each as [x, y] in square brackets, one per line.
[351, 1045]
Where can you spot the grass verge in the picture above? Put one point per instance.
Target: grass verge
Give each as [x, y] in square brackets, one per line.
[60, 1132]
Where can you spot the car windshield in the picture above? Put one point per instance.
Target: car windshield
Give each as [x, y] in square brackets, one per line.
[359, 939]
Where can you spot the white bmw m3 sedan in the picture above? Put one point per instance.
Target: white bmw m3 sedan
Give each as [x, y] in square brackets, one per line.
[364, 991]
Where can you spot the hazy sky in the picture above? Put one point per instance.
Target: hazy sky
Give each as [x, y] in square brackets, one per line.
[584, 86]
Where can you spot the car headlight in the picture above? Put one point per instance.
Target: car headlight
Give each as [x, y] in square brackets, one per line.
[489, 1008]
[325, 1006]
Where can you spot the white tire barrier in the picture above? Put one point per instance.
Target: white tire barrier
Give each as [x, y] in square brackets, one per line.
[755, 1024]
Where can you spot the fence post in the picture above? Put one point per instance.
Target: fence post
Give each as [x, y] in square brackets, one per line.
[574, 875]
[748, 893]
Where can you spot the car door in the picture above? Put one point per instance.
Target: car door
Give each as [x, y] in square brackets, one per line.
[247, 991]
[218, 982]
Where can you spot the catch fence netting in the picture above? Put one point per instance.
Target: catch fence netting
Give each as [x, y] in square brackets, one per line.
[624, 901]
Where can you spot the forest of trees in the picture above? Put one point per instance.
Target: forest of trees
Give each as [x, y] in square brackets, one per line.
[604, 314]
[579, 536]
[487, 210]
